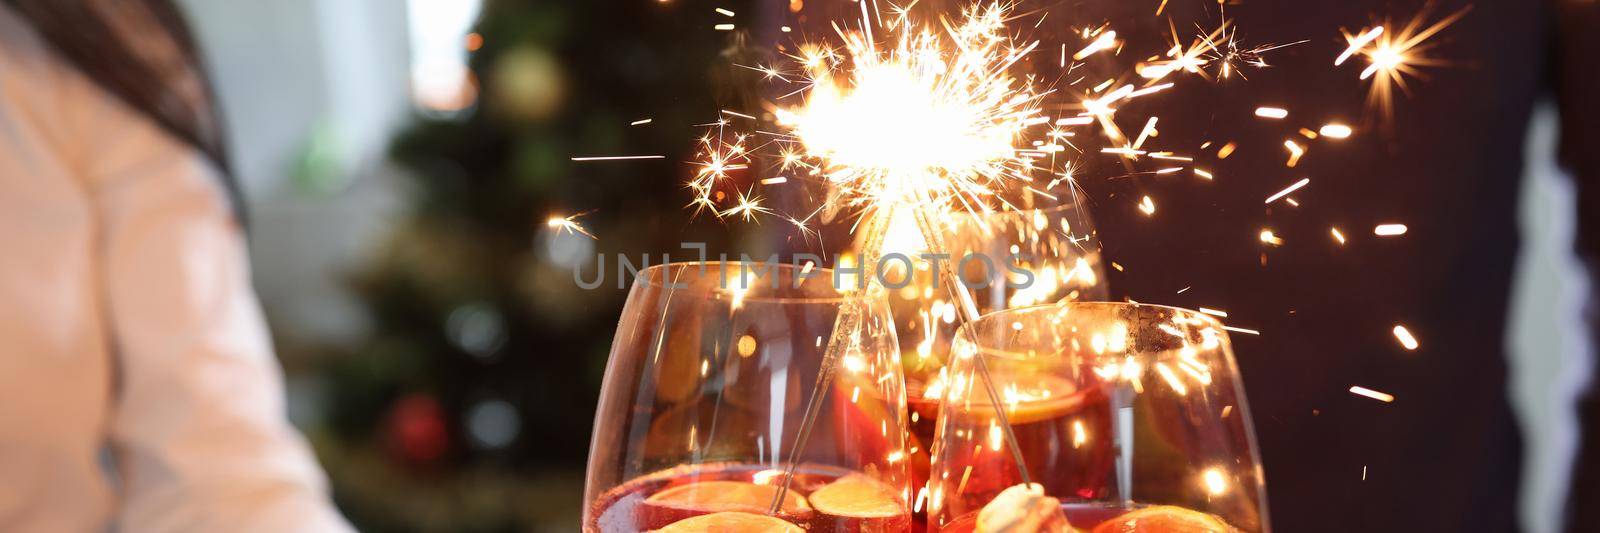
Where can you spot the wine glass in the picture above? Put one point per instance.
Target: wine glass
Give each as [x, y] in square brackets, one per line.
[1055, 245]
[711, 373]
[1128, 417]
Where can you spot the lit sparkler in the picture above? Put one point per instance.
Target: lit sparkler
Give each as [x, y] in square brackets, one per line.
[933, 119]
[898, 116]
[930, 117]
[926, 122]
[929, 120]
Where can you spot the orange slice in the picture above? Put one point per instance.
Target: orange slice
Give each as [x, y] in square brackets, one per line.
[1165, 519]
[706, 497]
[1041, 397]
[731, 522]
[860, 503]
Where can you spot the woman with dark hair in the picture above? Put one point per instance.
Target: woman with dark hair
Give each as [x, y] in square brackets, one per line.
[138, 388]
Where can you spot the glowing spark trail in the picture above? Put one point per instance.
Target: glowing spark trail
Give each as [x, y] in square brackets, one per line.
[1105, 41]
[1226, 150]
[1272, 112]
[1295, 152]
[1357, 43]
[1335, 131]
[1228, 55]
[568, 224]
[618, 157]
[1241, 330]
[1379, 396]
[1389, 230]
[1403, 335]
[1289, 190]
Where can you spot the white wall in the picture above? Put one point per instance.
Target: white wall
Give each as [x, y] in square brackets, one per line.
[1549, 354]
[310, 80]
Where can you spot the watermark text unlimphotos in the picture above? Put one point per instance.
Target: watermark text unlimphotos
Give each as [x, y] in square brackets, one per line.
[978, 270]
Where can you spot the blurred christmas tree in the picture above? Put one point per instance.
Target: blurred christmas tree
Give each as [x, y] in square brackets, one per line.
[471, 406]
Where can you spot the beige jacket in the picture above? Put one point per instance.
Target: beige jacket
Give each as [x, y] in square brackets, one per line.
[138, 387]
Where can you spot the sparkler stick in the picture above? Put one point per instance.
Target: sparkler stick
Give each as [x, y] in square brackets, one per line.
[874, 228]
[849, 319]
[934, 122]
[927, 121]
[969, 312]
[953, 115]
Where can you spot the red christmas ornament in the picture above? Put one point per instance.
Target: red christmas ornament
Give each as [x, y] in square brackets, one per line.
[415, 429]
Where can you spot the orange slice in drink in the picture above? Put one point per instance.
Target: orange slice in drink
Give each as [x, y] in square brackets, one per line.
[706, 497]
[731, 522]
[859, 503]
[1165, 519]
[1030, 399]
